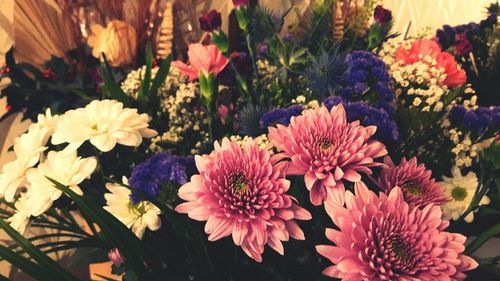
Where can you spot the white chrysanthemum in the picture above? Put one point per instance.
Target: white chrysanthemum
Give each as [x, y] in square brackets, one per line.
[105, 123]
[66, 168]
[136, 217]
[461, 190]
[21, 218]
[28, 149]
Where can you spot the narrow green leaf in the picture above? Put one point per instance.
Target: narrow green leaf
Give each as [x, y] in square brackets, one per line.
[36, 254]
[113, 230]
[481, 239]
[3, 278]
[111, 89]
[24, 264]
[143, 94]
[161, 76]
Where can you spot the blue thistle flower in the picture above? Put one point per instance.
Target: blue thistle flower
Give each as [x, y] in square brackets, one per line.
[326, 73]
[250, 120]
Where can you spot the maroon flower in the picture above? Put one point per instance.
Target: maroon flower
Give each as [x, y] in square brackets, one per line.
[382, 15]
[211, 21]
[462, 45]
[238, 3]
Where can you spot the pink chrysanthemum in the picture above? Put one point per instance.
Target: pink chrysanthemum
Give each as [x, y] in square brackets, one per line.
[326, 149]
[385, 238]
[415, 180]
[240, 191]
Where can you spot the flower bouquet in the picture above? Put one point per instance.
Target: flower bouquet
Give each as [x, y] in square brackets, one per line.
[288, 155]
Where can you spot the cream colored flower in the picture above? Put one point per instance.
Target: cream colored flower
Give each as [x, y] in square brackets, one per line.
[104, 123]
[28, 149]
[118, 41]
[66, 168]
[21, 218]
[136, 217]
[461, 190]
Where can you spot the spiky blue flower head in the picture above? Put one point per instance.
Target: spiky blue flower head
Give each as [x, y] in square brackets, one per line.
[326, 73]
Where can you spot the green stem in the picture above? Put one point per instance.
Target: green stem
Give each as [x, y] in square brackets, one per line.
[481, 190]
[481, 239]
[251, 53]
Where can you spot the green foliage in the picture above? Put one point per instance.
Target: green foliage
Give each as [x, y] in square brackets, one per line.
[113, 231]
[110, 88]
[58, 87]
[50, 269]
[319, 32]
[265, 24]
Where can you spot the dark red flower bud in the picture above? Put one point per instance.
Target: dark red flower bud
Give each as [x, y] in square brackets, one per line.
[238, 3]
[49, 73]
[211, 21]
[462, 45]
[382, 15]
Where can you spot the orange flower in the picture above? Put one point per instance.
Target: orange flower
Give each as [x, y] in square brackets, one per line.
[118, 41]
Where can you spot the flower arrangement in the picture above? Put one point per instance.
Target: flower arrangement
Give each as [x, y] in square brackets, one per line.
[364, 156]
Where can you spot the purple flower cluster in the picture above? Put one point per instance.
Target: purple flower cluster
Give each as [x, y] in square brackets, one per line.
[478, 120]
[449, 36]
[367, 79]
[280, 116]
[387, 129]
[147, 178]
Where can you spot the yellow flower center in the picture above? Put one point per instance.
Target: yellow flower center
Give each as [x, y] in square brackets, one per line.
[400, 249]
[138, 208]
[459, 193]
[238, 182]
[324, 143]
[413, 189]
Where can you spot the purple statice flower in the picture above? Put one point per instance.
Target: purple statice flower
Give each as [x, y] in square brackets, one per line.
[367, 79]
[387, 129]
[280, 116]
[446, 36]
[477, 120]
[147, 178]
[455, 36]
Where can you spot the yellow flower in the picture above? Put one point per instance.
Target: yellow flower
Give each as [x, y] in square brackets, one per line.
[118, 41]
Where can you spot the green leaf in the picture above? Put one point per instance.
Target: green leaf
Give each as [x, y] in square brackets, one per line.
[143, 95]
[113, 230]
[42, 259]
[24, 264]
[110, 88]
[161, 76]
[481, 239]
[88, 255]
